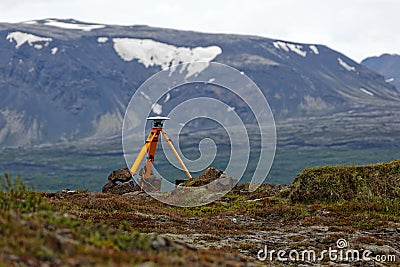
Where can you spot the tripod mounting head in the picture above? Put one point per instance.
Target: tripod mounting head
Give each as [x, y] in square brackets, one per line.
[157, 121]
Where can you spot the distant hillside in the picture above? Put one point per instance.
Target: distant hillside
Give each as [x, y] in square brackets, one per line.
[63, 80]
[387, 65]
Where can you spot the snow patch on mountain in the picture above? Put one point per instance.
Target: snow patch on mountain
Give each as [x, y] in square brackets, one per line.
[211, 80]
[345, 65]
[54, 50]
[297, 49]
[290, 47]
[146, 96]
[21, 38]
[314, 49]
[30, 22]
[102, 40]
[366, 91]
[168, 97]
[152, 53]
[73, 26]
[157, 108]
[281, 45]
[389, 80]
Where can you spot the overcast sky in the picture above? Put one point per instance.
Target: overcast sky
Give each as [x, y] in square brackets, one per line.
[357, 28]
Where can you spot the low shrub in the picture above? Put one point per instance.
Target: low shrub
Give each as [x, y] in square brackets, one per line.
[16, 195]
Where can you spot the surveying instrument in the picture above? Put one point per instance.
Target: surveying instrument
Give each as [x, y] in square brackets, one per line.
[150, 147]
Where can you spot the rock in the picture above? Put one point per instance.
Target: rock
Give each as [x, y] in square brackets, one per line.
[209, 175]
[131, 195]
[108, 187]
[14, 260]
[162, 243]
[151, 184]
[159, 242]
[121, 175]
[61, 240]
[223, 183]
[381, 250]
[119, 189]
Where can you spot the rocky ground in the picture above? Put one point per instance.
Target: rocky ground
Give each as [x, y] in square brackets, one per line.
[104, 229]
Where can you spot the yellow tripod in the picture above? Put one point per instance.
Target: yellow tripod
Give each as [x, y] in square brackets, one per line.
[150, 147]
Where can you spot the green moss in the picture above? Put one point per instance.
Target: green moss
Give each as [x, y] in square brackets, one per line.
[331, 184]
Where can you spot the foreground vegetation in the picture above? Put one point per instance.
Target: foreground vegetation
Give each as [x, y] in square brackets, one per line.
[358, 203]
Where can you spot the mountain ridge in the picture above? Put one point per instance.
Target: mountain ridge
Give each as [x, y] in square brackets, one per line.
[387, 65]
[81, 78]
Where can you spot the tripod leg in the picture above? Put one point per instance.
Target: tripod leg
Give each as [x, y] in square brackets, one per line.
[141, 154]
[176, 154]
[150, 158]
[139, 158]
